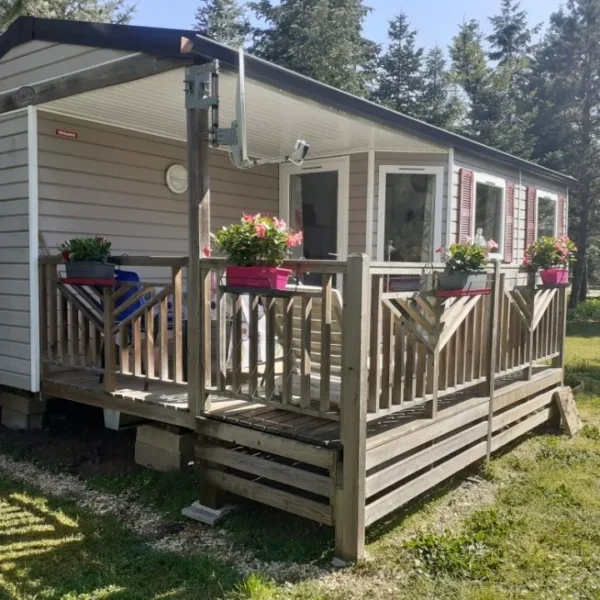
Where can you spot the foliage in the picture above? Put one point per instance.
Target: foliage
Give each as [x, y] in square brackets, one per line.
[466, 256]
[400, 83]
[586, 311]
[98, 11]
[86, 249]
[321, 39]
[223, 20]
[473, 554]
[550, 252]
[257, 240]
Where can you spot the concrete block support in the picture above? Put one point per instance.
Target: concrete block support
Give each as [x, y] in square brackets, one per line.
[163, 448]
[21, 411]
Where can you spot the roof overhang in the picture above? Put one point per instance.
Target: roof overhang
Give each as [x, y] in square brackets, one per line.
[167, 43]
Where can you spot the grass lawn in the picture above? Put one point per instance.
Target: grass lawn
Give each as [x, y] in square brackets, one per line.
[529, 527]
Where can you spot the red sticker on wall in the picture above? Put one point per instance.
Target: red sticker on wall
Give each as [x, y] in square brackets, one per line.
[72, 135]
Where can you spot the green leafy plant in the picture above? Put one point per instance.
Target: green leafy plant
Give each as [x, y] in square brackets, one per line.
[586, 311]
[257, 240]
[91, 249]
[466, 256]
[550, 253]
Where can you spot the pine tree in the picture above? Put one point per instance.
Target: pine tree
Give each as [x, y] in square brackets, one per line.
[321, 39]
[511, 35]
[224, 20]
[400, 82]
[471, 72]
[567, 79]
[100, 11]
[438, 104]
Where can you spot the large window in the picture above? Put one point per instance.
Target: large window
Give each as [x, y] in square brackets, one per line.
[489, 212]
[409, 212]
[546, 214]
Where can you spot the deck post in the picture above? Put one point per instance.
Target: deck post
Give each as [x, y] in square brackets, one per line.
[109, 342]
[531, 333]
[563, 304]
[350, 502]
[198, 138]
[496, 297]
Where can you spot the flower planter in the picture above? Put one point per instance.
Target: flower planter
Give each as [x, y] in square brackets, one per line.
[553, 277]
[90, 270]
[272, 278]
[464, 282]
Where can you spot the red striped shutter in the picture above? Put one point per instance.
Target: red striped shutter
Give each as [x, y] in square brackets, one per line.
[465, 204]
[530, 217]
[562, 215]
[509, 233]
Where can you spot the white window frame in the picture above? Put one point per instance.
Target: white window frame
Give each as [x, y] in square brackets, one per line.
[438, 204]
[340, 164]
[547, 196]
[497, 182]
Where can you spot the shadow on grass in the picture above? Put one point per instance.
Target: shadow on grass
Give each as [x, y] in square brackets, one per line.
[54, 550]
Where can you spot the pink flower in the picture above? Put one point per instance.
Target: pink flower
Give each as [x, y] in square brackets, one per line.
[294, 239]
[492, 244]
[279, 223]
[250, 218]
[261, 230]
[441, 250]
[206, 252]
[526, 259]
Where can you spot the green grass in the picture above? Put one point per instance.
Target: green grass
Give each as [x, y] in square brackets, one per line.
[51, 549]
[583, 355]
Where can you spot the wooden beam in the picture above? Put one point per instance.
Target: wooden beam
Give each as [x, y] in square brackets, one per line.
[350, 512]
[131, 68]
[199, 238]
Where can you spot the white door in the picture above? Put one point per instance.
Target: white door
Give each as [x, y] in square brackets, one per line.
[313, 198]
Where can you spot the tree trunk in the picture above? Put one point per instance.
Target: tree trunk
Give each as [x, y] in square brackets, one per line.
[583, 292]
[580, 271]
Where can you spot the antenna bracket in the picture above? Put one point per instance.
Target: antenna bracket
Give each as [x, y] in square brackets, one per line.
[199, 86]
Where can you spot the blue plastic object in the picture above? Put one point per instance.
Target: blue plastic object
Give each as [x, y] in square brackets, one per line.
[128, 276]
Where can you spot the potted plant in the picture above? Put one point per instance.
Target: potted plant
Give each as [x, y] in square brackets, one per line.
[257, 246]
[465, 264]
[551, 256]
[87, 258]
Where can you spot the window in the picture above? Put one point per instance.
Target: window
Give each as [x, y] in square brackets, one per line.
[547, 205]
[409, 221]
[490, 195]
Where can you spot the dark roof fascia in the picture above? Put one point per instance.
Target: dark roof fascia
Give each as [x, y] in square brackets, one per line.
[167, 42]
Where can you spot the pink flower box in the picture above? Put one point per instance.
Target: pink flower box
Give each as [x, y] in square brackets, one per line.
[273, 278]
[554, 276]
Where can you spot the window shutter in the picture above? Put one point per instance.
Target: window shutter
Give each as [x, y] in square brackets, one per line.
[465, 204]
[530, 217]
[509, 233]
[562, 215]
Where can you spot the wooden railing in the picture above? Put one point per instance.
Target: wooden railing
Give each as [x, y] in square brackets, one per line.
[112, 331]
[424, 347]
[296, 349]
[279, 348]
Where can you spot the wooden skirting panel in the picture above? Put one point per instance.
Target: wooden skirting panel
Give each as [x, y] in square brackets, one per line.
[282, 473]
[428, 456]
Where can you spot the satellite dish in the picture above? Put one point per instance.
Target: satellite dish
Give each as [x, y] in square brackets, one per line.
[238, 149]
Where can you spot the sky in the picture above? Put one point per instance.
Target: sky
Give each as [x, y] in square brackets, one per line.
[436, 20]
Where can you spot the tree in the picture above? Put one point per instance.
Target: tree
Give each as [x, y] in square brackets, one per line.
[511, 35]
[566, 76]
[321, 39]
[399, 78]
[224, 20]
[100, 11]
[472, 73]
[438, 104]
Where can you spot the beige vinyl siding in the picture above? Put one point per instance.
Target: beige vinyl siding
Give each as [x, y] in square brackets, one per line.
[15, 332]
[521, 180]
[111, 182]
[39, 61]
[408, 160]
[357, 203]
